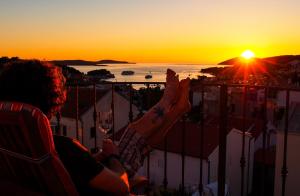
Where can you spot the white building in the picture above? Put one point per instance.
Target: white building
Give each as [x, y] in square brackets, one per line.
[192, 158]
[86, 111]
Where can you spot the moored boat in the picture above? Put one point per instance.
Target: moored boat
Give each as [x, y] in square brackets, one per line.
[148, 76]
[127, 72]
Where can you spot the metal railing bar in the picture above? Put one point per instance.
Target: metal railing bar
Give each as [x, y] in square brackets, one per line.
[201, 141]
[243, 159]
[222, 141]
[249, 86]
[113, 111]
[130, 103]
[248, 163]
[183, 155]
[95, 117]
[284, 170]
[264, 117]
[77, 112]
[148, 106]
[165, 181]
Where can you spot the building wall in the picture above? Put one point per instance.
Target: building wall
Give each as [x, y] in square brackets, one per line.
[192, 166]
[86, 121]
[271, 138]
[293, 160]
[233, 169]
[174, 174]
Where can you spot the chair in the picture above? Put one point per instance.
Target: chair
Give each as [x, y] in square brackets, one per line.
[28, 160]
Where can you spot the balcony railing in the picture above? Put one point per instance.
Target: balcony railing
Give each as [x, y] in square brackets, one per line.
[223, 96]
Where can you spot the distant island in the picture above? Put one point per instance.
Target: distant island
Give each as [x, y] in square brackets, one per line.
[113, 62]
[100, 74]
[88, 63]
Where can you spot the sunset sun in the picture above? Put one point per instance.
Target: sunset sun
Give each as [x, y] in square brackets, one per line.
[248, 54]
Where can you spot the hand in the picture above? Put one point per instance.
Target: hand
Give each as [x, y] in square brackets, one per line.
[109, 148]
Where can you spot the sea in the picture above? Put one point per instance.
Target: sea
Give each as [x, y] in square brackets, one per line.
[157, 70]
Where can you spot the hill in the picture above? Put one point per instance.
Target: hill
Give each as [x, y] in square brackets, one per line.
[87, 63]
[73, 62]
[283, 59]
[112, 62]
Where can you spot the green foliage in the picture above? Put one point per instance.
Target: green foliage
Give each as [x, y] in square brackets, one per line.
[149, 97]
[101, 73]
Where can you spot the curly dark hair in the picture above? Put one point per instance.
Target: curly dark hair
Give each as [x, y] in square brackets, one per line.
[34, 82]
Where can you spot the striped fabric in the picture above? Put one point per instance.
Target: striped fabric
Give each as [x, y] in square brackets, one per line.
[133, 149]
[27, 153]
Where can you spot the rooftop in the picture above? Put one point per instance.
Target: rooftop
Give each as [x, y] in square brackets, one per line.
[85, 101]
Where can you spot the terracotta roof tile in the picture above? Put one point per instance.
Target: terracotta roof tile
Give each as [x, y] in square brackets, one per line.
[85, 101]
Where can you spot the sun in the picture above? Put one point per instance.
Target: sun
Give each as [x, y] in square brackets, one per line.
[248, 54]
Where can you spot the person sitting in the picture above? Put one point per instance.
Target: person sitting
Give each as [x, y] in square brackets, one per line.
[42, 85]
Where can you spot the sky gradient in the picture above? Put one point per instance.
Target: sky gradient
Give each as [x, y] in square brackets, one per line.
[173, 31]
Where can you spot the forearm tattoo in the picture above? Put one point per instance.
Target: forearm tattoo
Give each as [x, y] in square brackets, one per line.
[133, 149]
[159, 113]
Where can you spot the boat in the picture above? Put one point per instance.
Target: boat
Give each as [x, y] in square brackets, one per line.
[148, 76]
[127, 72]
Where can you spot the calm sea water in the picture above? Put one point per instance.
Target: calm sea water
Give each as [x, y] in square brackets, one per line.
[157, 70]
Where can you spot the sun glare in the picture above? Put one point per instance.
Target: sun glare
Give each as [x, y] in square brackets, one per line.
[248, 54]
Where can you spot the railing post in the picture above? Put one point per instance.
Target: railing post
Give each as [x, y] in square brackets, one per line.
[264, 117]
[130, 104]
[200, 187]
[222, 141]
[165, 182]
[248, 164]
[208, 171]
[95, 150]
[183, 155]
[148, 156]
[284, 169]
[243, 159]
[77, 112]
[113, 111]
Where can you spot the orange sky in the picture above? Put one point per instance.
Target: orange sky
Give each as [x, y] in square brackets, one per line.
[173, 31]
